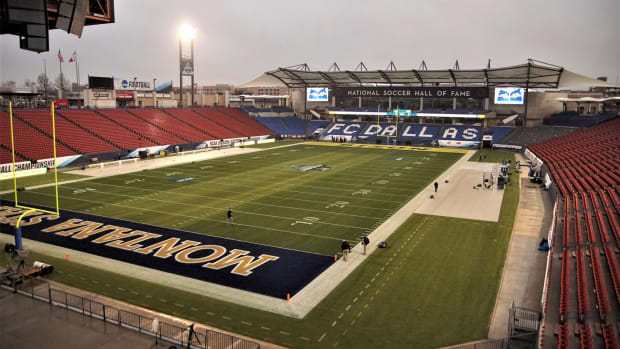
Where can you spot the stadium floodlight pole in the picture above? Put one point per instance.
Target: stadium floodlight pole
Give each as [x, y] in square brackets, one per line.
[186, 32]
[191, 45]
[181, 73]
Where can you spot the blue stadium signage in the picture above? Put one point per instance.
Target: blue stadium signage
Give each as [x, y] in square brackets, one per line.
[413, 92]
[267, 270]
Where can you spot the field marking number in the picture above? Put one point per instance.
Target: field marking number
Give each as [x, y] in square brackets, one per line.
[81, 191]
[173, 173]
[135, 180]
[381, 181]
[306, 220]
[395, 174]
[362, 192]
[339, 204]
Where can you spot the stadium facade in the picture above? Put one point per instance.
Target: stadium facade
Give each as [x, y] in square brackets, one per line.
[543, 89]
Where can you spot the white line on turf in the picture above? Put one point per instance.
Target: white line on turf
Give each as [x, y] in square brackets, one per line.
[235, 200]
[212, 220]
[334, 323]
[322, 336]
[224, 209]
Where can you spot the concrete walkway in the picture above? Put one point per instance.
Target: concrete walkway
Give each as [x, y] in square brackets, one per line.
[524, 269]
[28, 323]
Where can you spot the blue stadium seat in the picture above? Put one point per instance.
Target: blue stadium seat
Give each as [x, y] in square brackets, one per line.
[343, 128]
[499, 132]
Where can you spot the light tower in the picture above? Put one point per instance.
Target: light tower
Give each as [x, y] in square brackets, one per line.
[186, 64]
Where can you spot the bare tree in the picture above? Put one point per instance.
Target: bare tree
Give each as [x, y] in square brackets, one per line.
[45, 85]
[9, 83]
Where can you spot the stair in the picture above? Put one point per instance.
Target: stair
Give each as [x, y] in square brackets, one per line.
[163, 129]
[89, 131]
[46, 135]
[215, 121]
[188, 124]
[126, 128]
[16, 152]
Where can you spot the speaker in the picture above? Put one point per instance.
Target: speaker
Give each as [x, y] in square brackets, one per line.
[71, 16]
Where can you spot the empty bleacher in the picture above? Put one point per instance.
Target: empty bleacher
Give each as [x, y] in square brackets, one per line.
[419, 134]
[235, 120]
[500, 132]
[66, 132]
[295, 126]
[316, 124]
[170, 124]
[584, 166]
[251, 126]
[574, 119]
[526, 136]
[6, 156]
[204, 126]
[150, 131]
[28, 141]
[105, 128]
[343, 129]
[274, 124]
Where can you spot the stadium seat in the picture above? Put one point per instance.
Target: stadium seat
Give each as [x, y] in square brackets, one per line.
[599, 283]
[29, 142]
[68, 133]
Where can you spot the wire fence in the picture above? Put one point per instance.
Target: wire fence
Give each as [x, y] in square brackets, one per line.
[41, 289]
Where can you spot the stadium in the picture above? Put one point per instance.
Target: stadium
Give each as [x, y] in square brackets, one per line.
[385, 208]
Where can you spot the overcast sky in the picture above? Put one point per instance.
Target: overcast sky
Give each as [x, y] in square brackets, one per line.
[238, 40]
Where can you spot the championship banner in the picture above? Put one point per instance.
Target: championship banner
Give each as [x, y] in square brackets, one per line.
[262, 269]
[413, 92]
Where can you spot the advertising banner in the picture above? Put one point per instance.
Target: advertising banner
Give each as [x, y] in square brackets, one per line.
[413, 92]
[131, 85]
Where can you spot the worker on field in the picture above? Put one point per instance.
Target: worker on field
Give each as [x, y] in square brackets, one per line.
[346, 249]
[365, 242]
[230, 217]
[436, 186]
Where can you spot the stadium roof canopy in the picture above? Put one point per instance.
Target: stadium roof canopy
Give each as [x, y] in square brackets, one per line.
[533, 74]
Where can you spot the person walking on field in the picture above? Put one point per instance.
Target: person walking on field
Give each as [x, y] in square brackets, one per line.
[230, 217]
[365, 242]
[346, 248]
[436, 186]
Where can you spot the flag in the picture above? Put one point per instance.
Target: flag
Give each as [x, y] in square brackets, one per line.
[73, 57]
[60, 57]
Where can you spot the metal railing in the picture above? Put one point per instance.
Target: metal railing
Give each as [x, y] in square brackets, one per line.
[40, 289]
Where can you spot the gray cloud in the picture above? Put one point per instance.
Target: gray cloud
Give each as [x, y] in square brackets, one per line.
[238, 40]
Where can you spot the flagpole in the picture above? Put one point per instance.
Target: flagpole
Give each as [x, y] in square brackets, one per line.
[45, 87]
[77, 64]
[61, 80]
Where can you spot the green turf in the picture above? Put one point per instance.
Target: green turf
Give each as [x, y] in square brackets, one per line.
[7, 184]
[271, 202]
[434, 286]
[492, 155]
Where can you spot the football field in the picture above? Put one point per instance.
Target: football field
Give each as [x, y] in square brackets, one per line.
[435, 285]
[304, 197]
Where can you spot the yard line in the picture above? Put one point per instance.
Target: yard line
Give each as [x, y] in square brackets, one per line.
[293, 191]
[402, 179]
[206, 219]
[243, 201]
[224, 209]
